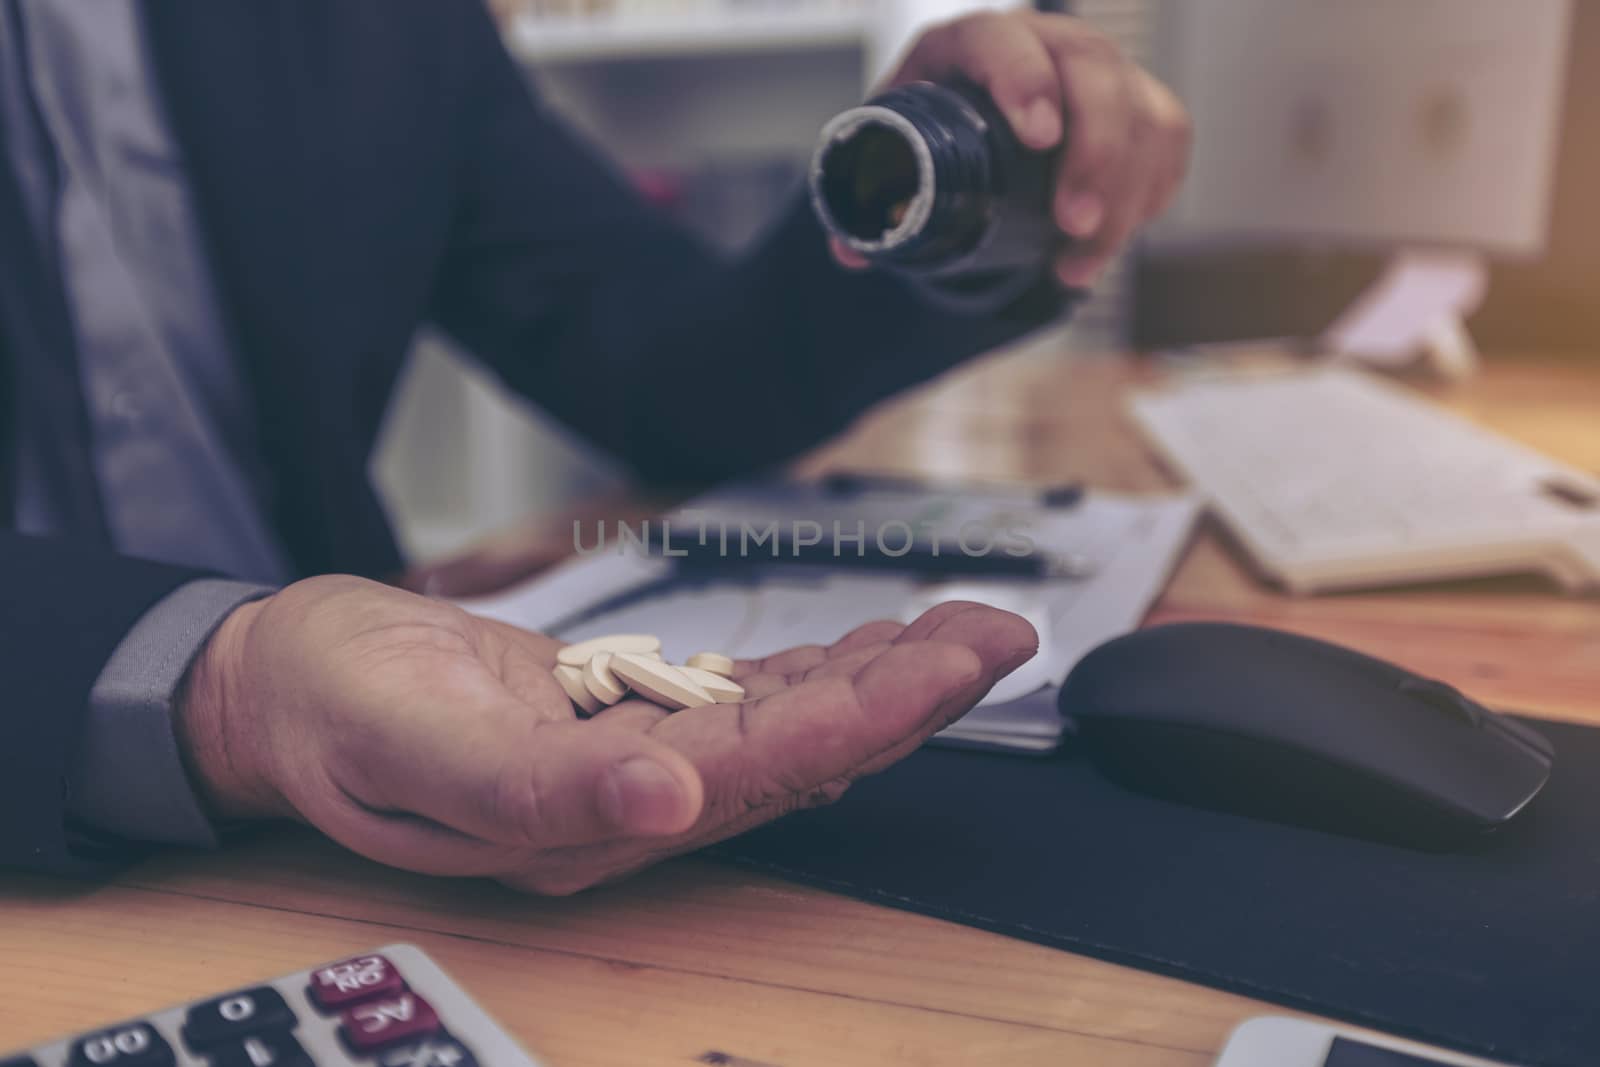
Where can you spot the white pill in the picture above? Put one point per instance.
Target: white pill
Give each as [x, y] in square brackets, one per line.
[571, 679]
[722, 690]
[660, 682]
[715, 662]
[601, 683]
[576, 655]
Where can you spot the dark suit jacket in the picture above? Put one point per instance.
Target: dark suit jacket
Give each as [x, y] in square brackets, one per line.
[362, 167]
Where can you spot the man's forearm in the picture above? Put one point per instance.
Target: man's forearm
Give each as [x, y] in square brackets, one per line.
[788, 347]
[690, 368]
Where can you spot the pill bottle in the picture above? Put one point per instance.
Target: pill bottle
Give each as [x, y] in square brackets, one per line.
[928, 179]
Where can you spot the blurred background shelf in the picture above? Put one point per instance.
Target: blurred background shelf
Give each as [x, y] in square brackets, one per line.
[623, 35]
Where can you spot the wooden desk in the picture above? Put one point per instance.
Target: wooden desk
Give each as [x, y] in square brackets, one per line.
[696, 963]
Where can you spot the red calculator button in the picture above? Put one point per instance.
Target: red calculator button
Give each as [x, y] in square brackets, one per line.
[351, 980]
[376, 1023]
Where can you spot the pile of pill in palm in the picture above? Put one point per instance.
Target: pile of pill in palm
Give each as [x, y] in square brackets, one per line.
[601, 671]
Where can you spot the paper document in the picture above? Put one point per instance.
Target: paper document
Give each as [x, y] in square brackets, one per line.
[750, 608]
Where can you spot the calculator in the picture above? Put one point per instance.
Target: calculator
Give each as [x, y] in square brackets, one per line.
[393, 1007]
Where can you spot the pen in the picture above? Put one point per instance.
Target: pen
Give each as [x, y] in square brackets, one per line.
[851, 483]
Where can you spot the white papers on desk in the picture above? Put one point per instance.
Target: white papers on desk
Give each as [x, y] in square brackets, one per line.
[749, 610]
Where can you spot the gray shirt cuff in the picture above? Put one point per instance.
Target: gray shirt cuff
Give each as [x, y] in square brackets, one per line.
[127, 777]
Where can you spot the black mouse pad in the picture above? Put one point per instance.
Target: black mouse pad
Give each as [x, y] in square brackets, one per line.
[1495, 951]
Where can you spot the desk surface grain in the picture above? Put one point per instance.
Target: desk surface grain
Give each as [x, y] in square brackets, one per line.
[698, 963]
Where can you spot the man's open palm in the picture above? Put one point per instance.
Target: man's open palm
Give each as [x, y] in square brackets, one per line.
[430, 739]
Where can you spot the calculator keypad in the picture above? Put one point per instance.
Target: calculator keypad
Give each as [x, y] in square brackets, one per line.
[236, 1015]
[135, 1045]
[358, 1012]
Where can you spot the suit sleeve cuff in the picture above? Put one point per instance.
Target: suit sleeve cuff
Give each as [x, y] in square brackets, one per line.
[127, 778]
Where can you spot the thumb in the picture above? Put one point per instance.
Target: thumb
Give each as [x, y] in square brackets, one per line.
[571, 783]
[504, 777]
[594, 780]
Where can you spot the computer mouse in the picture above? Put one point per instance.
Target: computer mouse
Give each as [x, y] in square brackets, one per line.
[1282, 727]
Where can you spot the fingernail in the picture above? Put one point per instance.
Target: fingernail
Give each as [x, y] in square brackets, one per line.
[1041, 123]
[641, 796]
[1015, 661]
[1082, 214]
